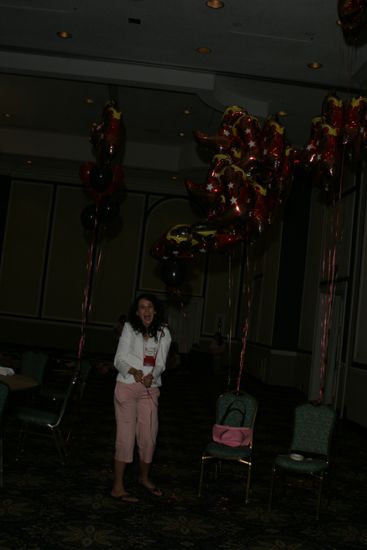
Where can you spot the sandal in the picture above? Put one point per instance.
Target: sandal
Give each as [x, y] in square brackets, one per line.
[152, 489]
[126, 497]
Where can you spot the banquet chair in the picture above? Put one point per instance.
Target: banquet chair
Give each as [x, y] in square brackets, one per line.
[33, 364]
[4, 390]
[56, 394]
[310, 449]
[46, 422]
[240, 409]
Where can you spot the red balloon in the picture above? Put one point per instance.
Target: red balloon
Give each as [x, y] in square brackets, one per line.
[329, 150]
[235, 207]
[226, 238]
[218, 141]
[258, 218]
[203, 194]
[202, 237]
[224, 139]
[354, 136]
[85, 171]
[247, 129]
[333, 111]
[282, 181]
[216, 177]
[230, 115]
[272, 143]
[106, 137]
[352, 14]
[312, 148]
[174, 244]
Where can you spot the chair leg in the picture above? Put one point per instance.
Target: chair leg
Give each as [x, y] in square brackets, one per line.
[21, 440]
[318, 505]
[248, 482]
[271, 488]
[201, 476]
[1, 463]
[59, 443]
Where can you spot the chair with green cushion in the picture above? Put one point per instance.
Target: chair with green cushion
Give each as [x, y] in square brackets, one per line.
[310, 448]
[239, 409]
[83, 370]
[4, 391]
[46, 422]
[33, 364]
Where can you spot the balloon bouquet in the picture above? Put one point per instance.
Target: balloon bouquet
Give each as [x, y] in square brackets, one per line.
[102, 180]
[250, 176]
[353, 21]
[338, 136]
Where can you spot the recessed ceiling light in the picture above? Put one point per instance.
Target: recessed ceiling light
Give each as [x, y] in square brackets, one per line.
[88, 100]
[204, 50]
[8, 115]
[173, 177]
[282, 113]
[187, 112]
[64, 34]
[314, 65]
[29, 162]
[182, 134]
[215, 4]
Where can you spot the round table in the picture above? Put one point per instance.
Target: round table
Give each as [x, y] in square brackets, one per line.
[18, 382]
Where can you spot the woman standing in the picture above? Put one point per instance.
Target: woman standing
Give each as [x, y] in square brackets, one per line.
[140, 359]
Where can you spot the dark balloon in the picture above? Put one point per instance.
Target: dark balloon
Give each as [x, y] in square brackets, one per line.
[173, 273]
[352, 14]
[101, 178]
[108, 211]
[89, 217]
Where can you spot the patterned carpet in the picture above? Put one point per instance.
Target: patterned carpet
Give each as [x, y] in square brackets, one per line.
[47, 506]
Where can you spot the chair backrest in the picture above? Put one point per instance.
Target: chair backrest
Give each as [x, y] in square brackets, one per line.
[84, 371]
[313, 428]
[67, 398]
[33, 364]
[4, 390]
[236, 409]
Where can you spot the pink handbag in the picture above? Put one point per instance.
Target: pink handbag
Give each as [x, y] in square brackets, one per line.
[232, 436]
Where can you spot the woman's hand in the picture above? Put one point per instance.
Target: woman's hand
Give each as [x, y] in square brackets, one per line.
[148, 380]
[137, 374]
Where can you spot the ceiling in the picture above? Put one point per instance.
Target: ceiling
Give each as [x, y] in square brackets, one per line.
[143, 53]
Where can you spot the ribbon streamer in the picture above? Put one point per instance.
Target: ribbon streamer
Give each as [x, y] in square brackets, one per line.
[248, 302]
[329, 274]
[230, 316]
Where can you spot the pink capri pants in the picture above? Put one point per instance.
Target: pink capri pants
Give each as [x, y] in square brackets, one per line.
[136, 412]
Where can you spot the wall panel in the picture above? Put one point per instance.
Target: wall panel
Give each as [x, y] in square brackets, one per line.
[67, 271]
[24, 251]
[114, 282]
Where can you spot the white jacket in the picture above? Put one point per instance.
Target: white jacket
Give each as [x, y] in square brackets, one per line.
[130, 353]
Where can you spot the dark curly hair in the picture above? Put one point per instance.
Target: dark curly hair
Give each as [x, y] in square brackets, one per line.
[158, 322]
